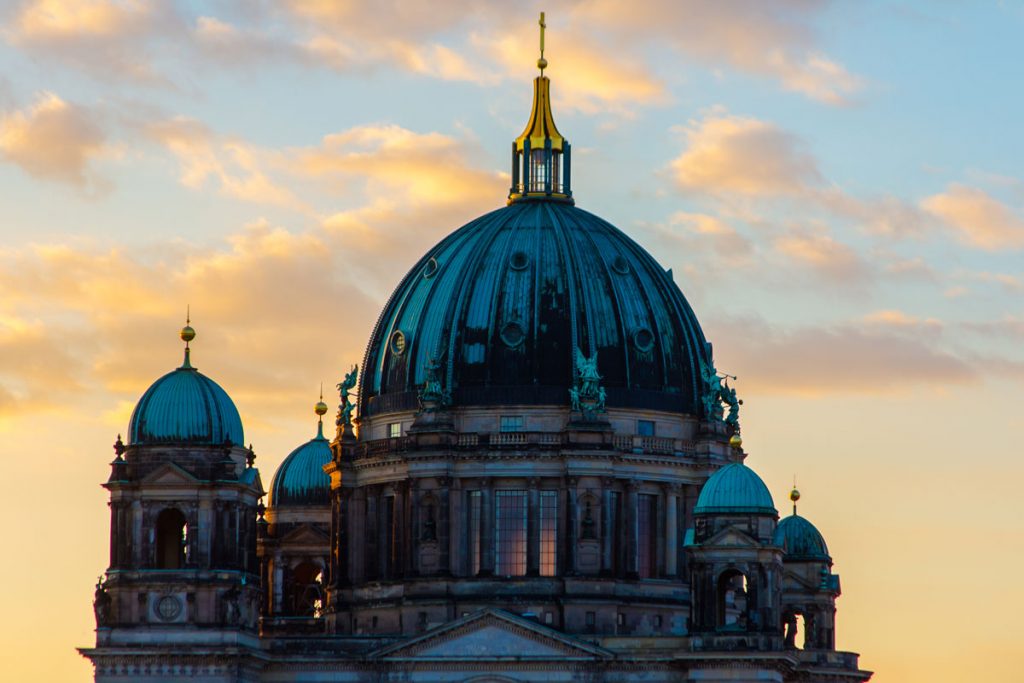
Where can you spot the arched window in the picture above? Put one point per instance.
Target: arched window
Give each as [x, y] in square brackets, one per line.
[732, 600]
[305, 590]
[171, 538]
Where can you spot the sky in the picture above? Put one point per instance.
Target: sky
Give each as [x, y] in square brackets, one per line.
[836, 187]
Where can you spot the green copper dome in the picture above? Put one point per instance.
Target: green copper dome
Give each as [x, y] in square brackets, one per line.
[185, 407]
[735, 489]
[800, 539]
[503, 302]
[301, 480]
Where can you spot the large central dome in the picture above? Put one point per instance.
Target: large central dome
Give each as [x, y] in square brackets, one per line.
[502, 303]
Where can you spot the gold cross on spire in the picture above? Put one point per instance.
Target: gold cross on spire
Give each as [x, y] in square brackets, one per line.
[542, 63]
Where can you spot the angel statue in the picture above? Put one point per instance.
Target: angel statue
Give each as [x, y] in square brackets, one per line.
[588, 377]
[346, 406]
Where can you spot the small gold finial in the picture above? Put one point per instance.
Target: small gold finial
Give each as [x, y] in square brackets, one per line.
[320, 408]
[794, 495]
[187, 334]
[542, 63]
[736, 441]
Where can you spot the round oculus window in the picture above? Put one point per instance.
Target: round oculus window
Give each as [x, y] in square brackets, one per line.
[643, 339]
[398, 342]
[512, 334]
[620, 265]
[519, 260]
[168, 608]
[431, 268]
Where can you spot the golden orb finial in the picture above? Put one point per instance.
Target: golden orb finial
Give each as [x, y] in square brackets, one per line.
[187, 334]
[320, 408]
[736, 441]
[794, 495]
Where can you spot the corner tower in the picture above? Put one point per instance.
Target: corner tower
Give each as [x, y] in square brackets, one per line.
[182, 587]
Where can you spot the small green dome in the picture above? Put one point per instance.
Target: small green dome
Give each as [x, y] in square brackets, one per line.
[800, 539]
[185, 407]
[301, 480]
[735, 489]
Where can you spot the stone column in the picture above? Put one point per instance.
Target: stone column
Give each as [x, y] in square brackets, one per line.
[671, 531]
[607, 530]
[136, 516]
[278, 584]
[205, 537]
[357, 536]
[629, 523]
[572, 527]
[533, 529]
[486, 528]
[447, 525]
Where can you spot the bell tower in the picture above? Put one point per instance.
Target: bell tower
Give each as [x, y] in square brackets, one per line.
[181, 592]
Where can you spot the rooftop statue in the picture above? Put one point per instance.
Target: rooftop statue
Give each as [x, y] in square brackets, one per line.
[587, 395]
[432, 396]
[346, 406]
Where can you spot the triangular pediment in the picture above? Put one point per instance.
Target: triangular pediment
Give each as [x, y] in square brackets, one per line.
[732, 537]
[493, 634]
[169, 474]
[305, 534]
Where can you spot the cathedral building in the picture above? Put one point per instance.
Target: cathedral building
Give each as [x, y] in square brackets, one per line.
[535, 474]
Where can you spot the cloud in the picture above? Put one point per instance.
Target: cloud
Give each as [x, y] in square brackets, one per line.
[397, 163]
[236, 167]
[775, 40]
[979, 219]
[732, 154]
[824, 254]
[54, 140]
[109, 38]
[585, 76]
[844, 358]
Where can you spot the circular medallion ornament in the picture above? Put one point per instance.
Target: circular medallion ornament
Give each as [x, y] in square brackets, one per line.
[620, 265]
[512, 334]
[168, 608]
[430, 269]
[643, 339]
[519, 261]
[398, 342]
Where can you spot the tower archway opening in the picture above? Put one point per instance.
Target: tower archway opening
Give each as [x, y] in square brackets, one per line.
[732, 600]
[171, 539]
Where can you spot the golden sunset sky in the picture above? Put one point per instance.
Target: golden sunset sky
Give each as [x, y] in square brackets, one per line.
[837, 187]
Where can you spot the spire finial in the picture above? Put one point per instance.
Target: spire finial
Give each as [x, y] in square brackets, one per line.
[320, 409]
[794, 495]
[187, 334]
[542, 63]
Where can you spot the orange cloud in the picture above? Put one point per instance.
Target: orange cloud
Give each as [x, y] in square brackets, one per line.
[843, 358]
[106, 37]
[824, 254]
[979, 219]
[53, 140]
[774, 40]
[743, 155]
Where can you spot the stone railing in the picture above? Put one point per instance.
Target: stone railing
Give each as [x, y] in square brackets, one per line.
[831, 659]
[639, 445]
[654, 445]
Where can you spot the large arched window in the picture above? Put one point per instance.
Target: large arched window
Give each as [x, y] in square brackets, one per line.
[510, 533]
[171, 537]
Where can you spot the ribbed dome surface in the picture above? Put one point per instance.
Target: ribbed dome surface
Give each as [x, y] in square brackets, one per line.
[185, 406]
[503, 301]
[734, 489]
[800, 539]
[301, 480]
